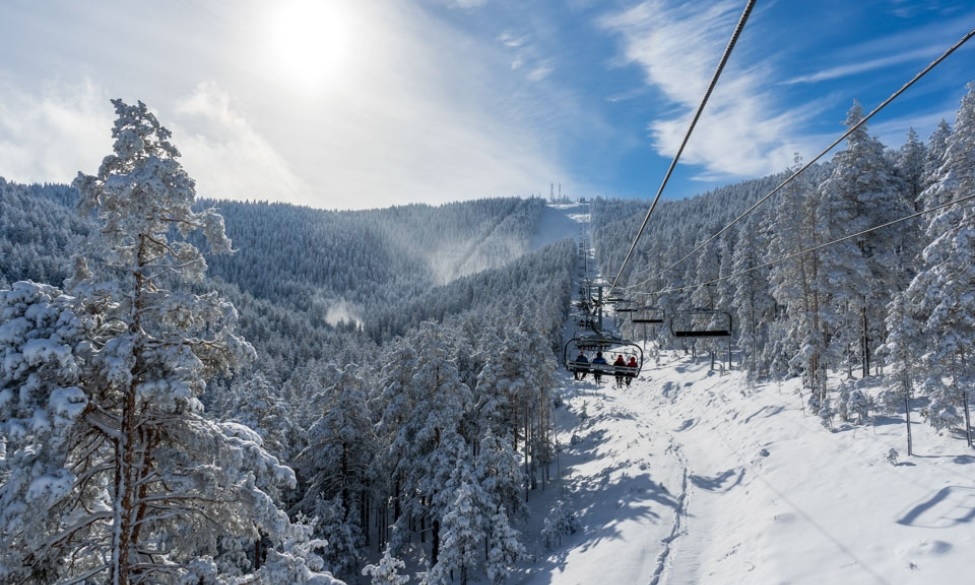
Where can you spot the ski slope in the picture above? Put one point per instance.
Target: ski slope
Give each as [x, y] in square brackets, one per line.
[694, 476]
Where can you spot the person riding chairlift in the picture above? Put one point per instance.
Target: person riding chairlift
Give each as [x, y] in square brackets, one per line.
[618, 371]
[599, 360]
[580, 372]
[632, 373]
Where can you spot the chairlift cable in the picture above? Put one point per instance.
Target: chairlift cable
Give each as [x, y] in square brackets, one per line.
[818, 247]
[687, 136]
[833, 145]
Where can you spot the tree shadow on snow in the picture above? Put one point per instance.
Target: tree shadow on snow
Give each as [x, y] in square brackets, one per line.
[884, 420]
[718, 482]
[949, 506]
[603, 504]
[772, 411]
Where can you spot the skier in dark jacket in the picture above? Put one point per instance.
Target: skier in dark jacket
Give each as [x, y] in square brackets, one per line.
[581, 366]
[599, 360]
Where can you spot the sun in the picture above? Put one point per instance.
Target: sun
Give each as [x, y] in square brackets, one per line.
[309, 44]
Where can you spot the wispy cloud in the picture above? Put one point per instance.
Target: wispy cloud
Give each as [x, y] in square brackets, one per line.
[917, 44]
[856, 68]
[224, 153]
[51, 135]
[742, 132]
[406, 119]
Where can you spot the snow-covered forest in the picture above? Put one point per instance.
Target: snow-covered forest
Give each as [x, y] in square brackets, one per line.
[200, 391]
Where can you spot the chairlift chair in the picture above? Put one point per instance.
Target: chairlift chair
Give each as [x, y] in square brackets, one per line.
[590, 345]
[648, 316]
[698, 323]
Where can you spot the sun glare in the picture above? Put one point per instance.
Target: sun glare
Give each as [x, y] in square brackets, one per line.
[308, 48]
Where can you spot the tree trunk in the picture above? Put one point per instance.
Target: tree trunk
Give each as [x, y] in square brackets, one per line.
[435, 545]
[527, 475]
[865, 339]
[907, 416]
[122, 516]
[964, 398]
[123, 534]
[968, 418]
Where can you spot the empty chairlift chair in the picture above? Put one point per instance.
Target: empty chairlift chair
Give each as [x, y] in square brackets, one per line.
[703, 324]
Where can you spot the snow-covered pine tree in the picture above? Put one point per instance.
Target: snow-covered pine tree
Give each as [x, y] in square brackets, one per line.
[462, 528]
[937, 145]
[901, 350]
[706, 297]
[797, 284]
[535, 407]
[943, 290]
[755, 306]
[497, 473]
[910, 164]
[425, 403]
[142, 486]
[46, 501]
[255, 403]
[863, 191]
[335, 469]
[387, 571]
[502, 388]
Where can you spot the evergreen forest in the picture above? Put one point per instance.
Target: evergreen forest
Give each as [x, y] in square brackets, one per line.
[204, 391]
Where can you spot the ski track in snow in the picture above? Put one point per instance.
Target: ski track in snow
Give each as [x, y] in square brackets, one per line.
[691, 476]
[695, 476]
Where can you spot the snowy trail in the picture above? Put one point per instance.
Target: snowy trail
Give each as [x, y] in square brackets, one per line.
[624, 482]
[691, 476]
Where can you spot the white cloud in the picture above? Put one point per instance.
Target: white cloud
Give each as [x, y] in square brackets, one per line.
[413, 110]
[52, 135]
[466, 3]
[864, 66]
[740, 134]
[67, 129]
[226, 156]
[511, 41]
[540, 72]
[421, 112]
[434, 124]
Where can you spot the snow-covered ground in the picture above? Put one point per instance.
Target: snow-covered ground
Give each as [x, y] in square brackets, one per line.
[560, 221]
[694, 476]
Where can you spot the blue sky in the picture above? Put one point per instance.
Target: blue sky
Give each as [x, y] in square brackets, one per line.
[351, 104]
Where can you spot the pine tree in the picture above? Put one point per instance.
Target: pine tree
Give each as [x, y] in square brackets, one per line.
[937, 145]
[43, 344]
[146, 486]
[386, 572]
[910, 163]
[462, 530]
[498, 475]
[797, 285]
[863, 191]
[942, 290]
[755, 305]
[706, 298]
[901, 350]
[335, 468]
[422, 431]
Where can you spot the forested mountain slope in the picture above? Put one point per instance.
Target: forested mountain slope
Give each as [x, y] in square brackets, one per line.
[675, 227]
[288, 253]
[350, 314]
[313, 284]
[406, 358]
